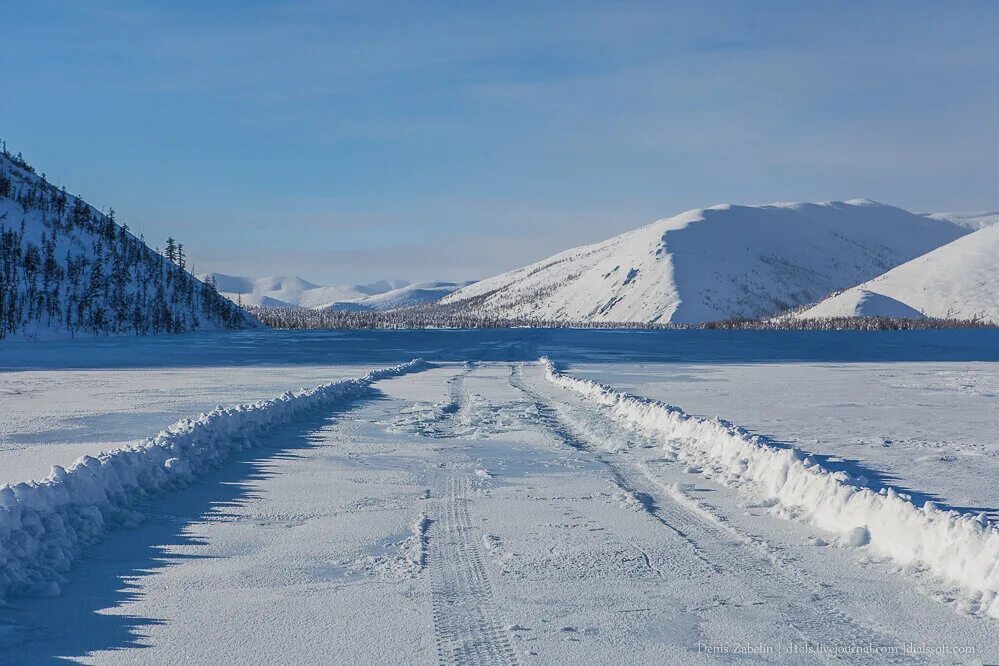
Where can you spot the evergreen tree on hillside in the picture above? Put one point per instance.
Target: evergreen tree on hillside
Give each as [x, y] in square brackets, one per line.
[63, 264]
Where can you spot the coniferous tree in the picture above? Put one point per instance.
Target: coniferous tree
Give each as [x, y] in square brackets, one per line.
[75, 268]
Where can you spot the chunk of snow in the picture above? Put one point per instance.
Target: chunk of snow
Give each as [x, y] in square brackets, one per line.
[856, 537]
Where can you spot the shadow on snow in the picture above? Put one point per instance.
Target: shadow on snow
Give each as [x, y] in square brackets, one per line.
[108, 574]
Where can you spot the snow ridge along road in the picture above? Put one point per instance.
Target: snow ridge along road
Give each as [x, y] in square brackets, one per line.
[962, 549]
[740, 561]
[44, 525]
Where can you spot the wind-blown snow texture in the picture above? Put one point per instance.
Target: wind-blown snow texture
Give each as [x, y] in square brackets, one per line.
[43, 525]
[66, 268]
[957, 281]
[715, 263]
[284, 292]
[962, 549]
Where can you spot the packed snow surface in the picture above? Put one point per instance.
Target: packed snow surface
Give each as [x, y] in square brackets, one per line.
[960, 548]
[296, 292]
[714, 263]
[44, 524]
[478, 511]
[957, 281]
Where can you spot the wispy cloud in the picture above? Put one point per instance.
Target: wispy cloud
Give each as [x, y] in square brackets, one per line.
[260, 128]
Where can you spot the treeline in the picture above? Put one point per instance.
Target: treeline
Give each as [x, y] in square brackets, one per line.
[65, 265]
[407, 318]
[846, 324]
[431, 317]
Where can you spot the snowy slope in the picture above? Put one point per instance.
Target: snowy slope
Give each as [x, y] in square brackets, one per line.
[715, 263]
[957, 281]
[404, 297]
[68, 269]
[861, 302]
[296, 292]
[973, 221]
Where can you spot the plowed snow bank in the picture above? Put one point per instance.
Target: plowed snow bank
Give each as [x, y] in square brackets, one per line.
[43, 525]
[962, 549]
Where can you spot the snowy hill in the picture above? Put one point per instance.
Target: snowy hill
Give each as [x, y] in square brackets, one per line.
[861, 302]
[404, 297]
[714, 263]
[296, 292]
[973, 221]
[68, 269]
[957, 281]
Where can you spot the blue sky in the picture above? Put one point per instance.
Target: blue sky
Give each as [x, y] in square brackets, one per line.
[352, 141]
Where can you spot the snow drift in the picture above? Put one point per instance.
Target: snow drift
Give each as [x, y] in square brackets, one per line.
[957, 281]
[962, 549]
[44, 524]
[713, 264]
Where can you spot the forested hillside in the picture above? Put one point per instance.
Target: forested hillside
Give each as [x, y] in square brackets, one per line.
[68, 269]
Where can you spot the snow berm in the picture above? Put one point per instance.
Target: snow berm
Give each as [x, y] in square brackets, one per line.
[45, 524]
[961, 549]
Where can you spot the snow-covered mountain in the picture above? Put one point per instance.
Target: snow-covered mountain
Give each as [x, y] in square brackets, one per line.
[296, 292]
[715, 263]
[957, 281]
[68, 269]
[414, 294]
[973, 221]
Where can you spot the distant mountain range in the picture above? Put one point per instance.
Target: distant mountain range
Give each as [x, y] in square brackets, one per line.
[67, 268]
[294, 292]
[717, 263]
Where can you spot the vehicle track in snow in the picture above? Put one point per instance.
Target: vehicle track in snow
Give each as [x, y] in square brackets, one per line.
[467, 629]
[437, 421]
[467, 626]
[741, 560]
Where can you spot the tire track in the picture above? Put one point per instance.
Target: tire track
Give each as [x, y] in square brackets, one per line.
[817, 621]
[467, 626]
[437, 421]
[467, 629]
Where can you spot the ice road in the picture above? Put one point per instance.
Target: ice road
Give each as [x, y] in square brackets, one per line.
[472, 512]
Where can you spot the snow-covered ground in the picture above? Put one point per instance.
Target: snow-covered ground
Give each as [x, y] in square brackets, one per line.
[478, 512]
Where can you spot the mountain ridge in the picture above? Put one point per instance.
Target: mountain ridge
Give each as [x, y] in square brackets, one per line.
[713, 263]
[293, 292]
[959, 280]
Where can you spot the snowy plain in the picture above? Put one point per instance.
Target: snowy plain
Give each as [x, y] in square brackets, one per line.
[475, 512]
